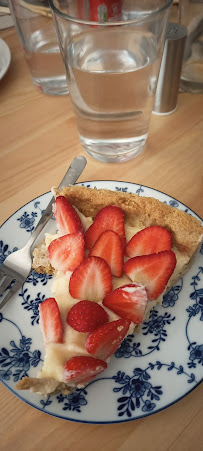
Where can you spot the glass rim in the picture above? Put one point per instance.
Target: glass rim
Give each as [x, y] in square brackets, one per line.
[144, 18]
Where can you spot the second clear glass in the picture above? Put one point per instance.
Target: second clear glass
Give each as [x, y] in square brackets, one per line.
[35, 28]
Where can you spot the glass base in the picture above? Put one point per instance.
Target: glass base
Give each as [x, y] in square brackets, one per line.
[52, 86]
[191, 79]
[114, 151]
[191, 86]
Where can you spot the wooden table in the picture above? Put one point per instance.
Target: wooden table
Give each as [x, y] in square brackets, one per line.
[38, 141]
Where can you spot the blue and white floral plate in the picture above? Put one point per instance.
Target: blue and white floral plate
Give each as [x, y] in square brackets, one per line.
[149, 372]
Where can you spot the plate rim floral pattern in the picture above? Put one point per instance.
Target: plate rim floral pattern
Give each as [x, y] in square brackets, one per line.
[101, 422]
[116, 420]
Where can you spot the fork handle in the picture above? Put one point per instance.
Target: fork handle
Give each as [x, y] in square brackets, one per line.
[72, 174]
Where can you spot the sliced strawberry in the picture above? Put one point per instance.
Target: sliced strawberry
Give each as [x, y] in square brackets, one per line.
[86, 316]
[67, 219]
[104, 341]
[152, 270]
[50, 321]
[67, 252]
[109, 247]
[91, 280]
[128, 301]
[108, 218]
[149, 241]
[82, 369]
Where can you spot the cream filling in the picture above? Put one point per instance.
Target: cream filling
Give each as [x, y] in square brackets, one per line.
[74, 342]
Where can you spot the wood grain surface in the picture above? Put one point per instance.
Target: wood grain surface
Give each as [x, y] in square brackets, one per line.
[39, 139]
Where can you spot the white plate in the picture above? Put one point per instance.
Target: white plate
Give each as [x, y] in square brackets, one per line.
[5, 58]
[149, 372]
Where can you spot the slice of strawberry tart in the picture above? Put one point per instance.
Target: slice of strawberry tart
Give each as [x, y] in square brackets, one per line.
[113, 257]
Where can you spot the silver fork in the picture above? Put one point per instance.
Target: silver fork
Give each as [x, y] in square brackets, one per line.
[17, 266]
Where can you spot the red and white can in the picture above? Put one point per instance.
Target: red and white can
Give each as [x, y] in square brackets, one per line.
[99, 10]
[103, 10]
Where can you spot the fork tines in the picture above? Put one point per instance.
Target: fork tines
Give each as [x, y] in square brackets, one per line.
[8, 286]
[6, 281]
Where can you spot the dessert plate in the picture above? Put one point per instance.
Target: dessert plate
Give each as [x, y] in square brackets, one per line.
[5, 58]
[150, 371]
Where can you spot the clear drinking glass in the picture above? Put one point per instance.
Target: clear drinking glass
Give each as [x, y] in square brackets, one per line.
[112, 67]
[36, 32]
[191, 15]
